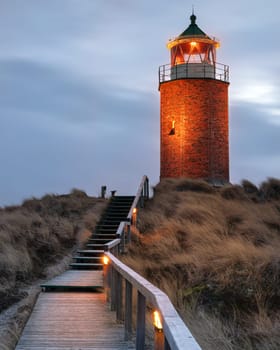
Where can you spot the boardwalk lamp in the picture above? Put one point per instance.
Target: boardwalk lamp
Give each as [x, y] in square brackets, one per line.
[105, 260]
[159, 338]
[134, 216]
[157, 321]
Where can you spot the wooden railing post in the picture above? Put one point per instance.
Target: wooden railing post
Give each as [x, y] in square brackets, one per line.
[119, 297]
[159, 340]
[115, 250]
[141, 318]
[146, 188]
[142, 198]
[128, 311]
[128, 233]
[106, 278]
[122, 245]
[113, 289]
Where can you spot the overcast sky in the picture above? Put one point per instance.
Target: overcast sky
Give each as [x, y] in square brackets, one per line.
[79, 101]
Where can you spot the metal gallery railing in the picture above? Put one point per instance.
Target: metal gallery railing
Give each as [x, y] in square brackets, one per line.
[170, 332]
[217, 71]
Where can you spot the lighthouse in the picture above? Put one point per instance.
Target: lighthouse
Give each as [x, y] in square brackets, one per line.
[194, 109]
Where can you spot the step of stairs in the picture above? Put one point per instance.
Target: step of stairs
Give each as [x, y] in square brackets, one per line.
[90, 258]
[106, 231]
[107, 227]
[86, 266]
[90, 252]
[99, 240]
[116, 221]
[96, 246]
[106, 236]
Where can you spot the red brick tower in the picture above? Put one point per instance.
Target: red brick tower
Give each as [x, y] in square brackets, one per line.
[194, 109]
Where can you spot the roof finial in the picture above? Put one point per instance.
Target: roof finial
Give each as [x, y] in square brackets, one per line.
[193, 16]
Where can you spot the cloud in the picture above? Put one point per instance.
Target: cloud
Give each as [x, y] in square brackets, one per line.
[79, 103]
[60, 131]
[254, 144]
[34, 87]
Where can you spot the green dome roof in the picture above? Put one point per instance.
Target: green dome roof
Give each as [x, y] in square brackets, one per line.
[193, 30]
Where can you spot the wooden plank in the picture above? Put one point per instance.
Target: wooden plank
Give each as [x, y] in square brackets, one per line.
[140, 328]
[128, 311]
[119, 297]
[72, 321]
[77, 278]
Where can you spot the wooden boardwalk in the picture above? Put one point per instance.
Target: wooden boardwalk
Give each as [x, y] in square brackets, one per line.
[73, 320]
[81, 279]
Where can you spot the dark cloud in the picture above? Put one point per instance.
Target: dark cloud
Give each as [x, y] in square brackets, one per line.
[63, 132]
[79, 105]
[35, 87]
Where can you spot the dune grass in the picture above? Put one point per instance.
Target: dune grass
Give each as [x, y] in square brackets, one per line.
[38, 234]
[216, 253]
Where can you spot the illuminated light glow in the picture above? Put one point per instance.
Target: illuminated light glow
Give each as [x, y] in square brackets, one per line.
[105, 260]
[179, 40]
[134, 210]
[173, 124]
[193, 43]
[157, 321]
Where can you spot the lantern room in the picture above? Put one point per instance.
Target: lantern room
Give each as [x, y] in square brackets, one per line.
[193, 55]
[193, 46]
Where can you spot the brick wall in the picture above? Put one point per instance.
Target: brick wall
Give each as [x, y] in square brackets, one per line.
[199, 147]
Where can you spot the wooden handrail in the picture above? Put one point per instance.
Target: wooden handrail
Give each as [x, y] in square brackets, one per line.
[174, 335]
[177, 335]
[121, 228]
[112, 244]
[141, 195]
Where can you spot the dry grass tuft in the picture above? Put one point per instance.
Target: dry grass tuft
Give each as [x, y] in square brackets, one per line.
[233, 192]
[251, 189]
[270, 189]
[38, 234]
[216, 254]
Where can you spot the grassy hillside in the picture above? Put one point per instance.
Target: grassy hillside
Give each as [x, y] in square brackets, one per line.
[39, 234]
[216, 253]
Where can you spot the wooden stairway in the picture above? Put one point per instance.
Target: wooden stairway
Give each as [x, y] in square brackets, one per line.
[90, 258]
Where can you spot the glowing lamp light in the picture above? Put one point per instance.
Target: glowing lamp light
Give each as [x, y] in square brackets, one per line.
[105, 260]
[172, 131]
[134, 210]
[157, 321]
[193, 43]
